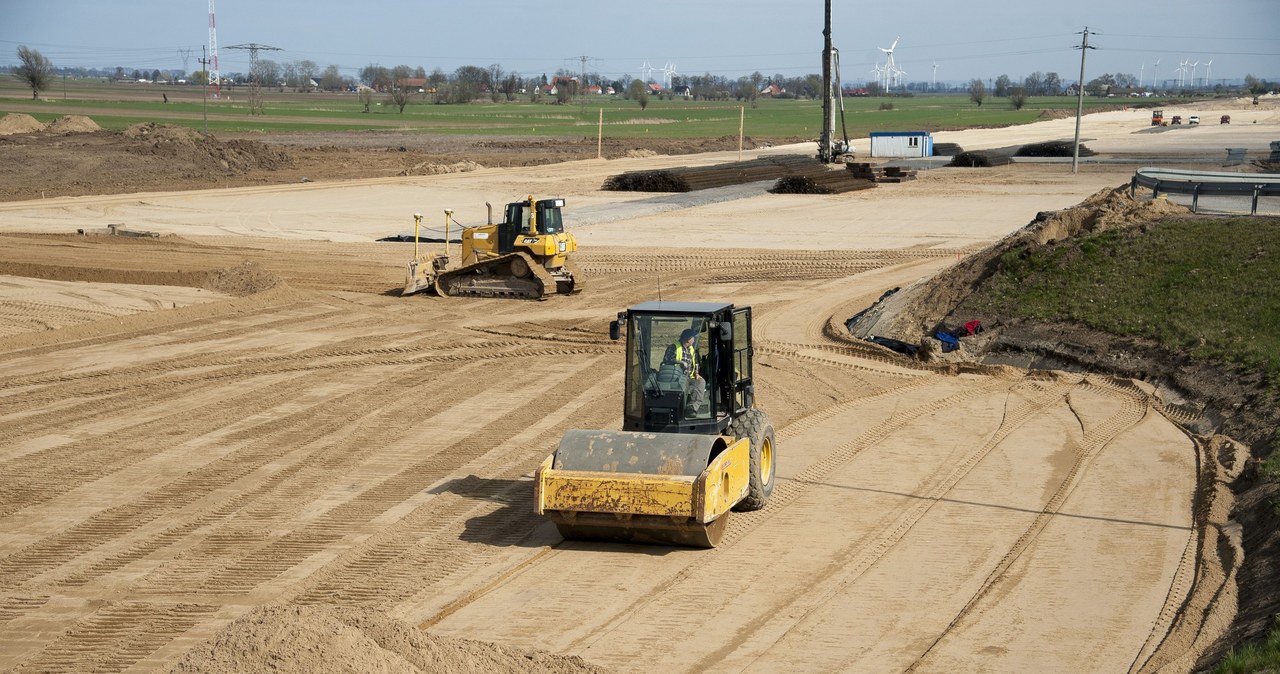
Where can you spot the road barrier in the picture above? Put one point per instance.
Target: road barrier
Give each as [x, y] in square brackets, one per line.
[1206, 183]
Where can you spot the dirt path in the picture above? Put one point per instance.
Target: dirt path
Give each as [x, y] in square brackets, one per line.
[326, 443]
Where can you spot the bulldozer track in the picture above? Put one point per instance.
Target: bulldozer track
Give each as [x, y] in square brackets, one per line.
[546, 284]
[325, 447]
[866, 553]
[112, 524]
[117, 635]
[670, 590]
[242, 556]
[1133, 407]
[274, 365]
[681, 590]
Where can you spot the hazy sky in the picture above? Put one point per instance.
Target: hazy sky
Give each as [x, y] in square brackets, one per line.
[723, 37]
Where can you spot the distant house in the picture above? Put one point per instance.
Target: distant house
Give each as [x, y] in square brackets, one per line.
[683, 91]
[595, 89]
[412, 83]
[772, 89]
[655, 88]
[901, 144]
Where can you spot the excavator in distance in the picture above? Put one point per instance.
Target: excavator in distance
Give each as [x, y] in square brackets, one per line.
[693, 446]
[526, 256]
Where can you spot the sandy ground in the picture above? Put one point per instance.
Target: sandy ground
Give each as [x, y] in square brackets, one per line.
[327, 443]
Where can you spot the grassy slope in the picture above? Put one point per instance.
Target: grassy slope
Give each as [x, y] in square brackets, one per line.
[1209, 288]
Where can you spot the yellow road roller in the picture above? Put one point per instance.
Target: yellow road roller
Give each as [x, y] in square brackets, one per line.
[693, 446]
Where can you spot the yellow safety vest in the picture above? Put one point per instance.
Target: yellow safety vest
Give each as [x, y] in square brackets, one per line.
[693, 359]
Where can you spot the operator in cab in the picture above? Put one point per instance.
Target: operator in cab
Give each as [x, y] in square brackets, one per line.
[684, 354]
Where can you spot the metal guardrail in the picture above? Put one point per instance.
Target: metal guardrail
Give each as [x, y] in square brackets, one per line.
[1197, 183]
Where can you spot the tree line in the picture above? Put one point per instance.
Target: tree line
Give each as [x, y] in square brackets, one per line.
[468, 83]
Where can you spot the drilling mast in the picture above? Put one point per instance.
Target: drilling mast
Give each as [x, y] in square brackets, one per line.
[829, 149]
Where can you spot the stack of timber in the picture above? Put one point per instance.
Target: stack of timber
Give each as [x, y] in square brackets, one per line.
[888, 174]
[801, 175]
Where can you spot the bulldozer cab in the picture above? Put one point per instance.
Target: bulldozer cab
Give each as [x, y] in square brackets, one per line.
[523, 226]
[536, 216]
[661, 395]
[526, 222]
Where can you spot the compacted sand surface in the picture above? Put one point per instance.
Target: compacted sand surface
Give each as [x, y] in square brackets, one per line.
[234, 447]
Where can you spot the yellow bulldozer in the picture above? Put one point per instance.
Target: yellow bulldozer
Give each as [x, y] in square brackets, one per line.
[525, 256]
[693, 446]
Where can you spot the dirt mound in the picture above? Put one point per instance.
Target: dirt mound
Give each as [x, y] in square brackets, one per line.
[246, 278]
[639, 154]
[1055, 114]
[918, 309]
[16, 122]
[1106, 209]
[163, 132]
[204, 151]
[305, 639]
[432, 169]
[73, 124]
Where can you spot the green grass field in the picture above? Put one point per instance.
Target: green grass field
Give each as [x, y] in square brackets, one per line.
[115, 106]
[1203, 287]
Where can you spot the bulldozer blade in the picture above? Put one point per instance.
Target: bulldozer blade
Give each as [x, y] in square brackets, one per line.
[419, 277]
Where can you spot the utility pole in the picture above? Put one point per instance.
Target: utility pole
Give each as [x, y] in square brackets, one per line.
[255, 86]
[204, 67]
[1075, 152]
[582, 82]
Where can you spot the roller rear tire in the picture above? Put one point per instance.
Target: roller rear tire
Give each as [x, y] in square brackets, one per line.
[755, 426]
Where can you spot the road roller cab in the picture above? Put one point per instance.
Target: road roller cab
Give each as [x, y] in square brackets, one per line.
[693, 445]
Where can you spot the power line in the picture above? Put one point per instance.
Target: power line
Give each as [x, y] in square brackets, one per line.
[1232, 38]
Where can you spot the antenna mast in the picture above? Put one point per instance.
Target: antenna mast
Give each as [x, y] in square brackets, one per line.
[214, 73]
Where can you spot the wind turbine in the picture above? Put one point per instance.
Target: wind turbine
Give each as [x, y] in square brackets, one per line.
[890, 70]
[1155, 80]
[1193, 73]
[1140, 69]
[1208, 73]
[646, 71]
[934, 85]
[667, 71]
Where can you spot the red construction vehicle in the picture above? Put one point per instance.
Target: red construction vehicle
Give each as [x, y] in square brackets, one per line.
[1157, 118]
